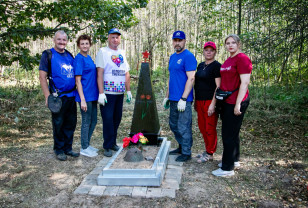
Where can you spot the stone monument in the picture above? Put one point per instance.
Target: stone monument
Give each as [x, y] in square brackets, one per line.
[145, 117]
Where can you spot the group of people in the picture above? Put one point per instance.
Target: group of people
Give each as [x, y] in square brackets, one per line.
[103, 82]
[232, 77]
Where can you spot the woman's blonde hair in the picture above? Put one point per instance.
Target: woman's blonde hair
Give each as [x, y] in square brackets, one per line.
[235, 37]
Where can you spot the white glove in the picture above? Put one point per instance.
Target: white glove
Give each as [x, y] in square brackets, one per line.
[102, 99]
[181, 105]
[166, 103]
[129, 96]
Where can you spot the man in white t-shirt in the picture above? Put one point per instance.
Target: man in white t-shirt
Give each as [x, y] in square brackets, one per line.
[113, 79]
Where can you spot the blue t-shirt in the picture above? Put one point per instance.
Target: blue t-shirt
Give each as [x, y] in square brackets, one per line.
[85, 67]
[179, 64]
[61, 69]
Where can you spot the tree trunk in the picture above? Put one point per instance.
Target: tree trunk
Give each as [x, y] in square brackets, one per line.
[239, 17]
[175, 16]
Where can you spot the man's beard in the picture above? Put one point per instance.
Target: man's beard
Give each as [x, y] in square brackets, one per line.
[178, 48]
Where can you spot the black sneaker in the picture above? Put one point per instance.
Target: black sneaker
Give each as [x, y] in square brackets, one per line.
[72, 154]
[61, 157]
[115, 147]
[176, 151]
[183, 158]
[108, 152]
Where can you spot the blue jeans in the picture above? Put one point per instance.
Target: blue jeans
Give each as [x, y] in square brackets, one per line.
[181, 125]
[88, 123]
[111, 115]
[64, 125]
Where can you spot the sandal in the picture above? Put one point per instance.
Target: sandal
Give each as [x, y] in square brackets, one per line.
[205, 158]
[201, 155]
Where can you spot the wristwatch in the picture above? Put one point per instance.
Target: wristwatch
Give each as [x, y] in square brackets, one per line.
[184, 99]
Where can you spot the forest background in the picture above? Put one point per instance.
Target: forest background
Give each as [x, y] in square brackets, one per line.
[273, 34]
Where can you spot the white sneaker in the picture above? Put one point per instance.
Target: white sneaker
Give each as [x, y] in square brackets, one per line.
[236, 164]
[88, 152]
[222, 173]
[93, 148]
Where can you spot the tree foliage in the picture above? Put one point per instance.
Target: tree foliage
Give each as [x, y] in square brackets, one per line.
[274, 33]
[22, 21]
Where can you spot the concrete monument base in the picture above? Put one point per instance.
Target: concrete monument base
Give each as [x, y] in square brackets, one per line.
[136, 177]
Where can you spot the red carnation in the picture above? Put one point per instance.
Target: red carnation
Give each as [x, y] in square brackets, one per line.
[126, 141]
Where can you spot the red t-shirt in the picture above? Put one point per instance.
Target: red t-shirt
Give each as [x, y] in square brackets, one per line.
[230, 75]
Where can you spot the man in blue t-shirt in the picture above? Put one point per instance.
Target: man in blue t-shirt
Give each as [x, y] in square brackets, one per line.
[182, 66]
[62, 73]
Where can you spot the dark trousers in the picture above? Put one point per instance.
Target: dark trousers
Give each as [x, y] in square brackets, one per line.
[64, 125]
[111, 115]
[231, 125]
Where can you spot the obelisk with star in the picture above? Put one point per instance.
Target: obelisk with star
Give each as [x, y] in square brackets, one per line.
[145, 117]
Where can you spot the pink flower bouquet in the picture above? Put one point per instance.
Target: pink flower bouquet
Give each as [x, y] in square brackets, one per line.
[135, 140]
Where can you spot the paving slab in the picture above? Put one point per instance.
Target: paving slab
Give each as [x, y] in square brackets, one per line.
[139, 191]
[174, 171]
[171, 160]
[153, 193]
[91, 177]
[111, 190]
[177, 177]
[83, 189]
[103, 162]
[125, 191]
[97, 170]
[170, 184]
[88, 182]
[168, 193]
[177, 166]
[97, 190]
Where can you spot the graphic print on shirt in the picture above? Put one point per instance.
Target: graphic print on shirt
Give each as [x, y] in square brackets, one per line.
[111, 86]
[179, 61]
[227, 68]
[118, 60]
[67, 70]
[115, 81]
[118, 73]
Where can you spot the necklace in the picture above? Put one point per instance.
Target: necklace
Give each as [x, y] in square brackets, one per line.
[205, 66]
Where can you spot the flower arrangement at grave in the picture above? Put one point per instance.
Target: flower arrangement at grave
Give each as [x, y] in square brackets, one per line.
[134, 152]
[138, 139]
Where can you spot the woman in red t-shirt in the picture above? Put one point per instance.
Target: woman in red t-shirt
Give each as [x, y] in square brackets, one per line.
[235, 76]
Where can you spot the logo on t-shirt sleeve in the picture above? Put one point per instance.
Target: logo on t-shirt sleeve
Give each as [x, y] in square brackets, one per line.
[118, 60]
[67, 70]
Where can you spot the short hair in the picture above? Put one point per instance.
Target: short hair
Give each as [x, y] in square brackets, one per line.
[83, 37]
[61, 32]
[235, 37]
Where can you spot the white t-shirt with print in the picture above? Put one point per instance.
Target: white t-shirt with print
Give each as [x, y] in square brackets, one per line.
[115, 66]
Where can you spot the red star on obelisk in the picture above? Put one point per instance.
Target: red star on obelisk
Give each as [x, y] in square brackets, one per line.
[145, 56]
